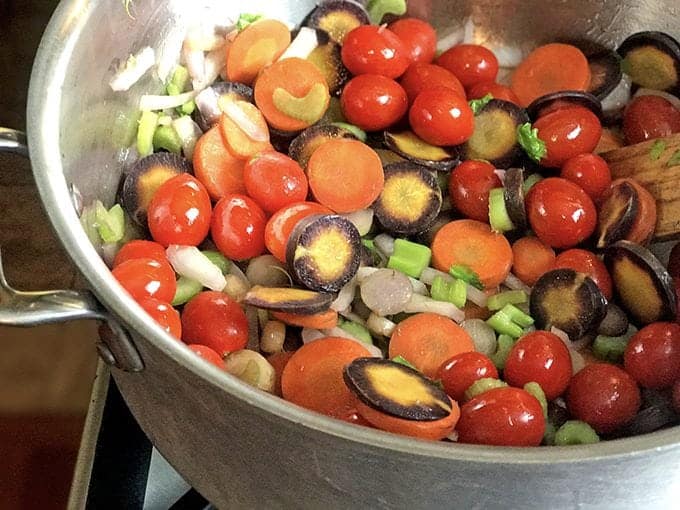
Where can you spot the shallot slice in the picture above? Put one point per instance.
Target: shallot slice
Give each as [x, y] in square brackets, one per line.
[154, 103]
[252, 130]
[190, 262]
[135, 67]
[303, 45]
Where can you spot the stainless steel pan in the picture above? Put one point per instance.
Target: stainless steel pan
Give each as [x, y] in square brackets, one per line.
[242, 448]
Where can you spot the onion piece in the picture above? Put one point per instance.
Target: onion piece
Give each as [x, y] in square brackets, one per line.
[207, 102]
[514, 283]
[303, 45]
[507, 56]
[135, 67]
[212, 67]
[483, 335]
[364, 272]
[204, 38]
[252, 130]
[380, 325]
[386, 292]
[384, 244]
[500, 173]
[189, 133]
[469, 32]
[419, 304]
[190, 262]
[252, 368]
[236, 271]
[578, 362]
[351, 316]
[345, 296]
[152, 102]
[418, 287]
[674, 100]
[339, 332]
[477, 296]
[361, 219]
[429, 274]
[109, 251]
[311, 334]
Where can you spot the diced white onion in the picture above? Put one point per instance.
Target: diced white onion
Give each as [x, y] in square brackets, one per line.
[303, 45]
[337, 331]
[650, 92]
[364, 272]
[164, 120]
[477, 296]
[311, 334]
[345, 296]
[188, 261]
[351, 316]
[236, 271]
[514, 283]
[508, 56]
[501, 174]
[469, 34]
[380, 325]
[195, 63]
[578, 362]
[241, 119]
[154, 103]
[169, 54]
[562, 335]
[419, 304]
[384, 244]
[212, 67]
[451, 39]
[362, 220]
[204, 38]
[483, 335]
[418, 287]
[108, 251]
[207, 102]
[135, 67]
[189, 133]
[429, 274]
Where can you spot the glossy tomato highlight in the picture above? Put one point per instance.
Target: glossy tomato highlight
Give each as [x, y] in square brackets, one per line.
[652, 356]
[469, 188]
[274, 180]
[146, 278]
[373, 102]
[568, 132]
[440, 116]
[471, 63]
[418, 36]
[238, 227]
[371, 49]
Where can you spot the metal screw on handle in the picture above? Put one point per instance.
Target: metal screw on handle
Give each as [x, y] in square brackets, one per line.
[13, 141]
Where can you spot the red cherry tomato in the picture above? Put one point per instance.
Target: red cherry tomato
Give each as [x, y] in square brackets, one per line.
[140, 249]
[207, 354]
[145, 278]
[470, 63]
[274, 180]
[469, 188]
[179, 212]
[373, 102]
[238, 227]
[164, 314]
[418, 36]
[371, 49]
[568, 132]
[589, 171]
[588, 263]
[652, 356]
[497, 90]
[502, 417]
[540, 357]
[215, 320]
[419, 77]
[649, 117]
[281, 225]
[460, 371]
[440, 116]
[560, 212]
[604, 396]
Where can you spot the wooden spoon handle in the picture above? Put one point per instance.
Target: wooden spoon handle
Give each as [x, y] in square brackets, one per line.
[648, 163]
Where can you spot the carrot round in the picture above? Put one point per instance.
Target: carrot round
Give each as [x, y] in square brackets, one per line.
[345, 175]
[322, 320]
[531, 258]
[427, 340]
[257, 46]
[550, 68]
[472, 243]
[292, 94]
[434, 430]
[239, 142]
[218, 170]
[313, 376]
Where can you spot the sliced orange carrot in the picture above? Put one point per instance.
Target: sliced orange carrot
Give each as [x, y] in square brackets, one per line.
[218, 170]
[322, 320]
[292, 94]
[550, 68]
[345, 175]
[242, 143]
[257, 46]
[472, 243]
[434, 430]
[313, 376]
[531, 258]
[279, 361]
[427, 340]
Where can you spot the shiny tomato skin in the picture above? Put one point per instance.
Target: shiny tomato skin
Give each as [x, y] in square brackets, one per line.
[440, 116]
[140, 249]
[469, 188]
[281, 225]
[418, 36]
[147, 278]
[502, 417]
[207, 354]
[238, 227]
[274, 180]
[369, 49]
[652, 356]
[649, 117]
[497, 90]
[589, 171]
[568, 132]
[540, 357]
[215, 320]
[460, 371]
[604, 396]
[586, 262]
[164, 314]
[373, 102]
[419, 77]
[179, 212]
[471, 63]
[560, 213]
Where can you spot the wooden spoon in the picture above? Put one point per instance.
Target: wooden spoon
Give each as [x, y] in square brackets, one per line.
[648, 163]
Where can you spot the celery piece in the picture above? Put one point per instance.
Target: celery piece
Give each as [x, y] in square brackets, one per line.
[111, 223]
[534, 389]
[145, 132]
[575, 432]
[510, 297]
[245, 19]
[465, 273]
[377, 9]
[186, 289]
[218, 259]
[518, 316]
[499, 219]
[165, 137]
[409, 258]
[482, 386]
[504, 325]
[368, 243]
[530, 181]
[180, 80]
[549, 434]
[173, 90]
[610, 348]
[357, 331]
[187, 108]
[505, 343]
[454, 292]
[351, 128]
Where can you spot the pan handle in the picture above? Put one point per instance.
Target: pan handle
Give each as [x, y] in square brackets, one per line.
[26, 309]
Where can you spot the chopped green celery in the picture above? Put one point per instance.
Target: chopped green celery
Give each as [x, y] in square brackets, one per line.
[167, 138]
[357, 331]
[173, 90]
[575, 432]
[534, 389]
[368, 243]
[518, 316]
[409, 258]
[505, 343]
[503, 324]
[482, 386]
[499, 219]
[218, 259]
[145, 132]
[465, 273]
[549, 434]
[403, 361]
[530, 181]
[351, 128]
[88, 219]
[454, 292]
[611, 348]
[478, 104]
[180, 80]
[186, 289]
[509, 297]
[187, 108]
[377, 9]
[246, 19]
[111, 223]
